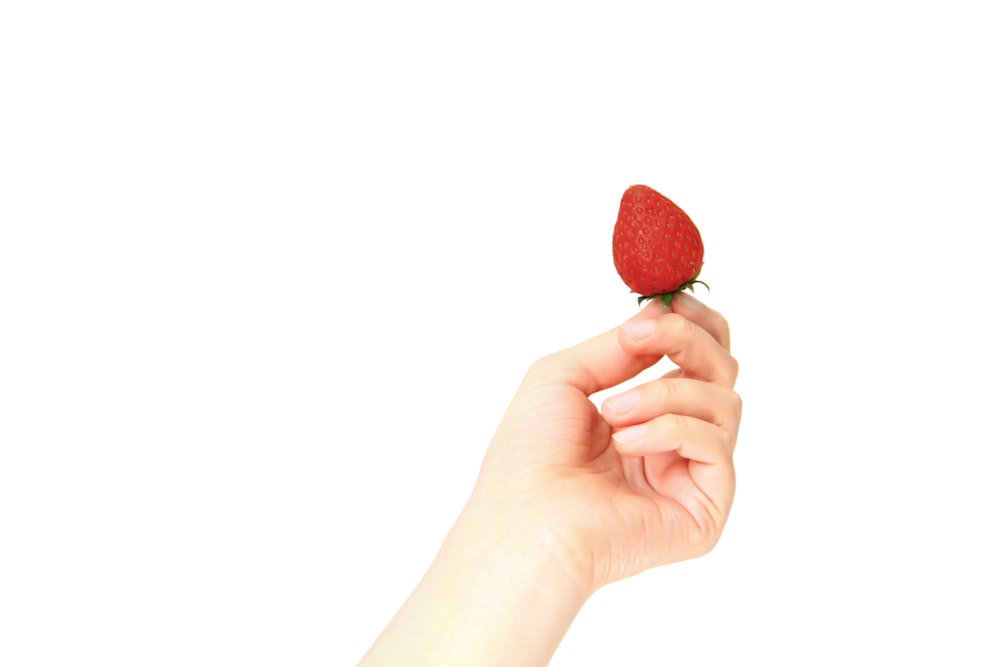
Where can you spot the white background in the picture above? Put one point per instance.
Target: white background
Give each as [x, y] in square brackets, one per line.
[270, 272]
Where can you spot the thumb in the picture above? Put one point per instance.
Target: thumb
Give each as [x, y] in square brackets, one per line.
[598, 363]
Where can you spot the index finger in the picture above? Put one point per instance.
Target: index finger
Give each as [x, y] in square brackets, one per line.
[710, 320]
[698, 353]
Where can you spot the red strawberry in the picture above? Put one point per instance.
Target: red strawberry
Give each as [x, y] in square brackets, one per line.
[658, 250]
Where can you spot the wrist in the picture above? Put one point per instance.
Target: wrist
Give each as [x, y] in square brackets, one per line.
[518, 587]
[514, 543]
[499, 592]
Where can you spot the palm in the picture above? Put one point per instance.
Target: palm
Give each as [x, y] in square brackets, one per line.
[593, 491]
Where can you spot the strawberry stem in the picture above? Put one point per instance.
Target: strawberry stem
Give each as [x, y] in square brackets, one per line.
[668, 297]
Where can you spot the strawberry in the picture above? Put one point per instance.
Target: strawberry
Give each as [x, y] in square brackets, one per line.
[657, 249]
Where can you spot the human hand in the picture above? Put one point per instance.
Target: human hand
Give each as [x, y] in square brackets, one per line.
[645, 481]
[570, 498]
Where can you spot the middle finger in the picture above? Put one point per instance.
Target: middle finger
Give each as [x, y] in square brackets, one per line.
[682, 396]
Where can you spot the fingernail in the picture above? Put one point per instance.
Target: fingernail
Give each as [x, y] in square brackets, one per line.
[623, 402]
[689, 301]
[631, 434]
[639, 329]
[655, 303]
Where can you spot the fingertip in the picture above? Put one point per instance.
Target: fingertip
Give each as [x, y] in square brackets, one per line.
[628, 441]
[642, 325]
[688, 302]
[639, 330]
[637, 338]
[655, 308]
[616, 408]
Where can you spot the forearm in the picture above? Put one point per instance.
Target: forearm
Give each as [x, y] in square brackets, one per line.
[498, 593]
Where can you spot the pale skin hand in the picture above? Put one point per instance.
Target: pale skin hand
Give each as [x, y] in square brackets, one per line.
[571, 498]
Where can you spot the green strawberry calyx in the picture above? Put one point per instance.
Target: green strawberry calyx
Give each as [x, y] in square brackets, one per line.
[668, 297]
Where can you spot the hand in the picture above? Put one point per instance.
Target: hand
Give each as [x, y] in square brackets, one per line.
[570, 498]
[646, 481]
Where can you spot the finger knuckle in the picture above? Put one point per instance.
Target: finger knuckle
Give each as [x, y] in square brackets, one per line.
[722, 326]
[665, 391]
[674, 426]
[677, 333]
[677, 325]
[734, 368]
[540, 365]
[736, 404]
[545, 366]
